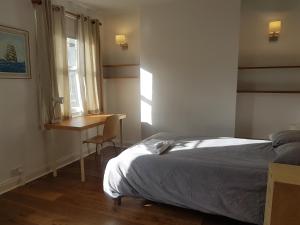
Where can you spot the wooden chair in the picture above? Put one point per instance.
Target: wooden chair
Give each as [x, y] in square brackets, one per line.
[110, 132]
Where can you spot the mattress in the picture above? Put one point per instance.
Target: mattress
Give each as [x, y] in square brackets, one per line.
[223, 176]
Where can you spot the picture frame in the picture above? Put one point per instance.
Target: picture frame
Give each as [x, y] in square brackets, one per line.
[14, 53]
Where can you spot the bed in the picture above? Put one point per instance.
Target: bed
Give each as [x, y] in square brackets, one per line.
[223, 176]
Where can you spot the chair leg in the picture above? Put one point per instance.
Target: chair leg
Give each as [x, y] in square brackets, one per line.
[101, 160]
[96, 153]
[116, 150]
[97, 160]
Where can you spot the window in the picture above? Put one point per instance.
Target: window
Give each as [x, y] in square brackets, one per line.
[75, 94]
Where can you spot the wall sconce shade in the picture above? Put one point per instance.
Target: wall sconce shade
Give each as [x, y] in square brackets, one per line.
[274, 30]
[122, 41]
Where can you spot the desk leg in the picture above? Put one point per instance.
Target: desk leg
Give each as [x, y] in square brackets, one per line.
[82, 172]
[54, 171]
[121, 133]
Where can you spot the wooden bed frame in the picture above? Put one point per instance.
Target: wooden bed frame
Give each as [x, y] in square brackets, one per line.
[283, 195]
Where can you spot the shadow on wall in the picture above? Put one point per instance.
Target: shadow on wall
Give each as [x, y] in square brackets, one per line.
[146, 87]
[245, 116]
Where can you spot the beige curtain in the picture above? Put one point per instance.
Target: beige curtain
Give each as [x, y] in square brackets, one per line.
[90, 68]
[61, 61]
[52, 74]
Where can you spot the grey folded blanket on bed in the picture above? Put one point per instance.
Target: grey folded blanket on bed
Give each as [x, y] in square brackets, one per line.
[224, 176]
[155, 146]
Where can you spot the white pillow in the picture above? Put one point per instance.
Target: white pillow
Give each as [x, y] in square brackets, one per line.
[288, 153]
[284, 137]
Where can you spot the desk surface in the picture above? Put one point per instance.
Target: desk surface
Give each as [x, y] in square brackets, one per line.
[81, 122]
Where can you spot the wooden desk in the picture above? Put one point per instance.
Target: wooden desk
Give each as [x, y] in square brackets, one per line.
[80, 124]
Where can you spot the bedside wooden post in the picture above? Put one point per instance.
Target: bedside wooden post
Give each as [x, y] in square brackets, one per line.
[283, 195]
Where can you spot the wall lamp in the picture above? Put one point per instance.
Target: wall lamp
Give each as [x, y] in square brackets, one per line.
[274, 30]
[121, 40]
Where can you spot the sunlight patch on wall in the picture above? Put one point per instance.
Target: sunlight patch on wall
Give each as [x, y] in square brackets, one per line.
[146, 84]
[146, 96]
[146, 113]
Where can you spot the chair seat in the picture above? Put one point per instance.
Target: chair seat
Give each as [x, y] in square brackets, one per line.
[98, 139]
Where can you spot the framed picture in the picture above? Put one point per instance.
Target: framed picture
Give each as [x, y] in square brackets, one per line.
[14, 53]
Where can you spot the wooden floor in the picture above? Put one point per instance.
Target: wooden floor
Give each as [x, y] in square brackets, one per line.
[66, 201]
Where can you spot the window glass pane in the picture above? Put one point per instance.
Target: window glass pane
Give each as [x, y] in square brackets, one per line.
[75, 95]
[72, 53]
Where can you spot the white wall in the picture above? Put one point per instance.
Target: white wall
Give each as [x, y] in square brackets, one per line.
[22, 143]
[255, 48]
[122, 95]
[258, 115]
[191, 49]
[121, 22]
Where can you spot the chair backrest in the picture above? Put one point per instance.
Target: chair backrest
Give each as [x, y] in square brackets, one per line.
[110, 129]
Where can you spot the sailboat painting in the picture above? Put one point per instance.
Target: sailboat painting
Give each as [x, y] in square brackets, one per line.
[14, 53]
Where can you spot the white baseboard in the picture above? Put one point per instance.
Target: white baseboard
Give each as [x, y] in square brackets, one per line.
[29, 176]
[9, 184]
[15, 182]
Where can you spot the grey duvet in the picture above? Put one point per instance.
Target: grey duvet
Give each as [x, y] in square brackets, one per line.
[223, 176]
